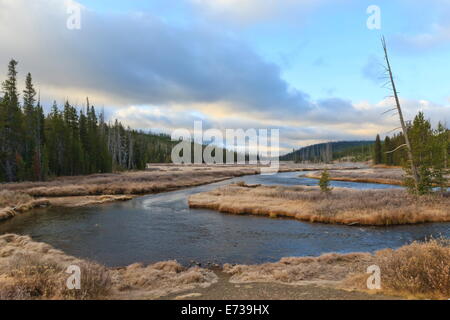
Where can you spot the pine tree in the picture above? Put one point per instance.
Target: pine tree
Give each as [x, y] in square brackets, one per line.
[11, 130]
[388, 156]
[429, 154]
[30, 128]
[378, 156]
[40, 165]
[439, 156]
[34, 146]
[324, 182]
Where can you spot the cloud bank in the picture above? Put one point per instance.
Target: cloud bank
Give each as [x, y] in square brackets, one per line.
[153, 74]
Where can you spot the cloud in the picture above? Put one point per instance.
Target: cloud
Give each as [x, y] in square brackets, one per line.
[246, 12]
[139, 59]
[373, 69]
[438, 35]
[155, 75]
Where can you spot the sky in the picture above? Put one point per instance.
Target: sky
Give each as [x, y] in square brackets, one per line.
[311, 68]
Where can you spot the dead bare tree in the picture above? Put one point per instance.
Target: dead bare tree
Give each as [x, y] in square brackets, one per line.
[407, 144]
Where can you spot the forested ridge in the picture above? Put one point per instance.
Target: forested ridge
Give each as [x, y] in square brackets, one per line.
[326, 152]
[66, 141]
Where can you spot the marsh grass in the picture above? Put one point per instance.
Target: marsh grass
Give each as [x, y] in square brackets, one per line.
[11, 199]
[343, 206]
[418, 270]
[421, 269]
[34, 270]
[31, 277]
[378, 174]
[128, 183]
[12, 203]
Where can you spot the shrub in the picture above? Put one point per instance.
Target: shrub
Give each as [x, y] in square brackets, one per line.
[32, 277]
[419, 269]
[324, 182]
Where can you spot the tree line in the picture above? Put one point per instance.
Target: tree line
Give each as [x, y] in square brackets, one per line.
[68, 140]
[326, 152]
[430, 150]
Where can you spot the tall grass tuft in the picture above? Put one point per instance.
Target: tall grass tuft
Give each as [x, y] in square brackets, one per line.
[421, 269]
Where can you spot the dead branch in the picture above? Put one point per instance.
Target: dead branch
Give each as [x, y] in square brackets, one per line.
[401, 146]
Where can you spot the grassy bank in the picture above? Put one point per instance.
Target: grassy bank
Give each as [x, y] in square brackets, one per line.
[158, 179]
[13, 203]
[33, 270]
[342, 206]
[419, 270]
[392, 176]
[102, 188]
[377, 174]
[96, 189]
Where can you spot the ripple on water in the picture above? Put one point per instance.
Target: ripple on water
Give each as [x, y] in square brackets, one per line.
[162, 227]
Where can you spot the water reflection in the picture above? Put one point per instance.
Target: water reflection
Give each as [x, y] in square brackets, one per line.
[161, 227]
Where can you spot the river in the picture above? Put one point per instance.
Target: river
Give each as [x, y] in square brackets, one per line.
[162, 227]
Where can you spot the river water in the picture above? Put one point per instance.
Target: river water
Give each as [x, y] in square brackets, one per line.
[161, 227]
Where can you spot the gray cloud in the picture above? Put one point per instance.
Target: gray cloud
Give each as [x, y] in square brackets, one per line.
[165, 70]
[139, 59]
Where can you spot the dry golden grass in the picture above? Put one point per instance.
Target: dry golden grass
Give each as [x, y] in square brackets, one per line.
[159, 279]
[102, 188]
[158, 178]
[342, 206]
[377, 174]
[130, 183]
[419, 270]
[80, 201]
[33, 270]
[387, 175]
[385, 166]
[12, 199]
[328, 269]
[12, 203]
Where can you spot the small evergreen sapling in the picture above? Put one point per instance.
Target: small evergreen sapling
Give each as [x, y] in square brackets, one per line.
[324, 182]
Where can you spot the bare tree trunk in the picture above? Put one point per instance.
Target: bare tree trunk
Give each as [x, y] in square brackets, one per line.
[400, 115]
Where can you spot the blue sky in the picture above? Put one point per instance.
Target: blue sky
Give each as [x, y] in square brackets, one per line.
[325, 52]
[310, 68]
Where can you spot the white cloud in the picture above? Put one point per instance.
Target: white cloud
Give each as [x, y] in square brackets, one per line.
[253, 11]
[438, 35]
[159, 76]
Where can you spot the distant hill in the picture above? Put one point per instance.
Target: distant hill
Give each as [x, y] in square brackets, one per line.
[324, 152]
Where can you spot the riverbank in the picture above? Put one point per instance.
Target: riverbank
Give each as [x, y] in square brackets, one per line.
[95, 189]
[341, 206]
[377, 174]
[33, 270]
[17, 203]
